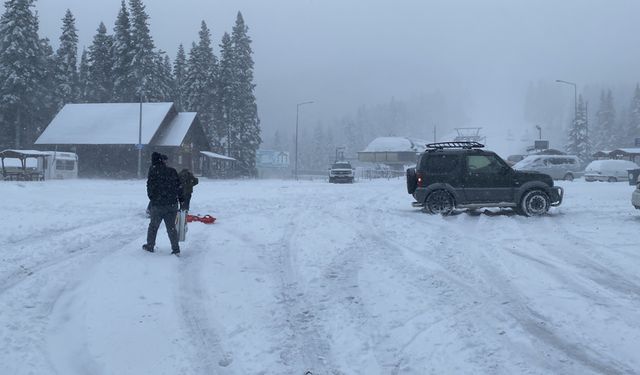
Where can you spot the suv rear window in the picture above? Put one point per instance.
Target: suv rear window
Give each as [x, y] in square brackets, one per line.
[341, 166]
[439, 164]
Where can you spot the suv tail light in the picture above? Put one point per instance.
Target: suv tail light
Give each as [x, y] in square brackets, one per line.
[420, 178]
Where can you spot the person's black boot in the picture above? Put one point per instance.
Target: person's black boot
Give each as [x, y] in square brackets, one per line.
[176, 252]
[147, 248]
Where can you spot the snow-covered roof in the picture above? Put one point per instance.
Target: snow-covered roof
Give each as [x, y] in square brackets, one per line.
[24, 153]
[105, 123]
[628, 150]
[396, 144]
[213, 155]
[177, 130]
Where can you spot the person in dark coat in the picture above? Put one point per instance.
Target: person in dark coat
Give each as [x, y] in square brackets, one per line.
[165, 193]
[188, 181]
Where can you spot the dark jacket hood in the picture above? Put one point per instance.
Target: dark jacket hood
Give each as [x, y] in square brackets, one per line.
[156, 158]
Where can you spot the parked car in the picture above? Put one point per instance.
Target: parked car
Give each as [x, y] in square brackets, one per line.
[609, 170]
[559, 167]
[514, 159]
[635, 197]
[341, 171]
[452, 175]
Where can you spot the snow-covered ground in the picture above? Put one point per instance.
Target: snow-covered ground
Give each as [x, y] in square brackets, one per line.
[334, 279]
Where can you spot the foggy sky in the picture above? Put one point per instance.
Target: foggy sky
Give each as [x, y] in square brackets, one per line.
[344, 53]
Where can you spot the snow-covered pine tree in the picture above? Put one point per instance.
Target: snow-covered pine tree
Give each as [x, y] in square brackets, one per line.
[578, 143]
[67, 68]
[45, 109]
[179, 75]
[200, 85]
[224, 104]
[244, 121]
[21, 74]
[83, 77]
[161, 79]
[632, 130]
[145, 60]
[125, 87]
[100, 83]
[603, 134]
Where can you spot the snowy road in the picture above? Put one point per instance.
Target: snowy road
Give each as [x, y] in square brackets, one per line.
[334, 279]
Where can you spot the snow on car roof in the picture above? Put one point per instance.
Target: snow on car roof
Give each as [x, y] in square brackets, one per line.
[396, 144]
[105, 123]
[611, 164]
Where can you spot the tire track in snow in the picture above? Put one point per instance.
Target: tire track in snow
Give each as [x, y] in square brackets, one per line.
[532, 321]
[306, 332]
[44, 287]
[595, 270]
[75, 242]
[452, 294]
[517, 308]
[195, 311]
[306, 347]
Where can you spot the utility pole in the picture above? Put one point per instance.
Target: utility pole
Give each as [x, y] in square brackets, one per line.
[139, 146]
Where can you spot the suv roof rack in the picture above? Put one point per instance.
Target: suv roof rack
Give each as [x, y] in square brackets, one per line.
[463, 145]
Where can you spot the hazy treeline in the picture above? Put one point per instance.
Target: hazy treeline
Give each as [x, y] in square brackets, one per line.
[125, 66]
[607, 118]
[413, 117]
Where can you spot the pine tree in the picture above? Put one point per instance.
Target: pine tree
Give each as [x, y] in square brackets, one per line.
[632, 130]
[604, 132]
[21, 74]
[225, 98]
[200, 85]
[125, 85]
[83, 77]
[100, 83]
[245, 124]
[145, 60]
[161, 79]
[46, 107]
[67, 55]
[179, 76]
[578, 143]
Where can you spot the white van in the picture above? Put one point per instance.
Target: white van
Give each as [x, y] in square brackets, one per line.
[30, 165]
[59, 165]
[559, 167]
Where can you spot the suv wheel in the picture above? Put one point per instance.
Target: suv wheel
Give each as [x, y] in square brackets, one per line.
[439, 202]
[612, 179]
[535, 203]
[568, 177]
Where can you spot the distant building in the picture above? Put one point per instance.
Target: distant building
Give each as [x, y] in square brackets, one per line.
[106, 135]
[631, 154]
[395, 152]
[273, 164]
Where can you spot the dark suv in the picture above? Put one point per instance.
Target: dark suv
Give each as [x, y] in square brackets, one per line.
[452, 175]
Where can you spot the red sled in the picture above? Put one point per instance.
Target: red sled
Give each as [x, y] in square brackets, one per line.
[207, 219]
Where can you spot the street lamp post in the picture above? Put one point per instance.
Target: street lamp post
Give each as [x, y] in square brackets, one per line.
[139, 145]
[539, 132]
[297, 118]
[575, 96]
